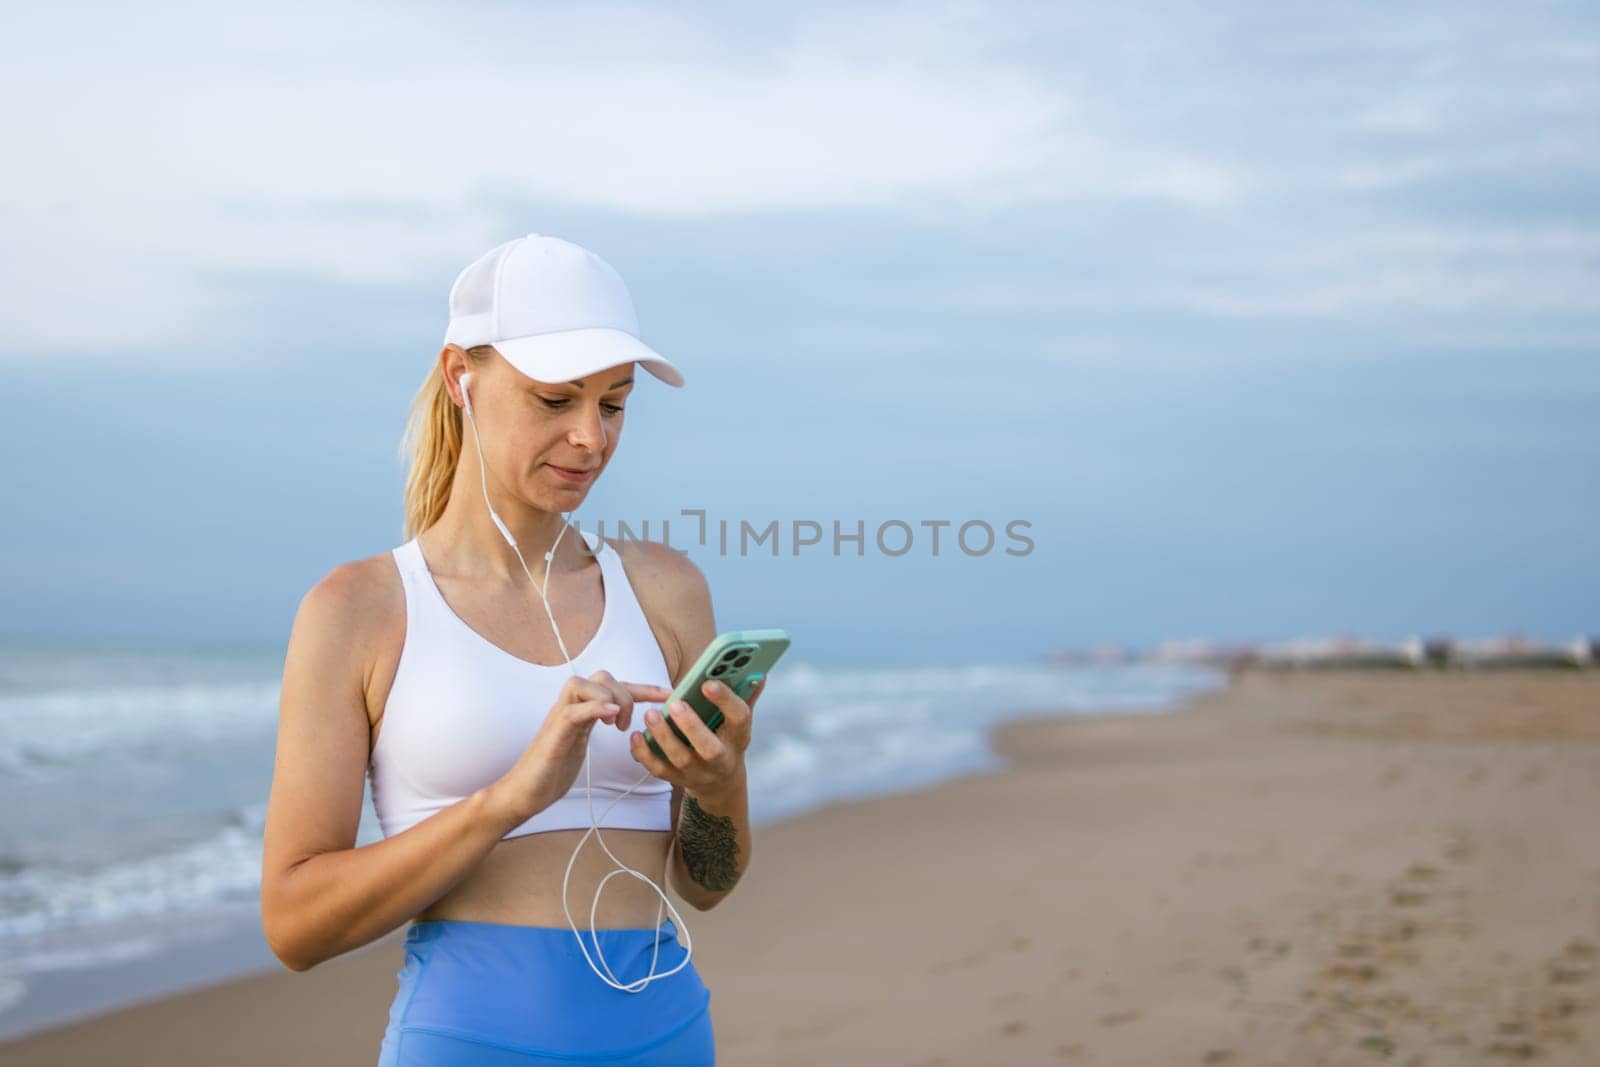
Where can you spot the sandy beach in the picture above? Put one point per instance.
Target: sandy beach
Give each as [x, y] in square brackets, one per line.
[1307, 868]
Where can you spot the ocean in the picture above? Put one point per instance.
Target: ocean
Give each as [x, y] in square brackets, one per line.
[134, 782]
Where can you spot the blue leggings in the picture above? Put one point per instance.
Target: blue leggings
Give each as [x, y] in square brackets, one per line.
[477, 994]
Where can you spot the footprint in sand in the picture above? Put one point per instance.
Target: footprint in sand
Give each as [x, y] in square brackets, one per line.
[1573, 966]
[1580, 950]
[1568, 974]
[1515, 1050]
[1352, 972]
[1118, 1018]
[1379, 1043]
[1392, 776]
[1267, 948]
[1458, 847]
[1409, 898]
[1558, 1008]
[1397, 1005]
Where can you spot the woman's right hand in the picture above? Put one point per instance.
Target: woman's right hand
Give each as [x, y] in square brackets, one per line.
[550, 764]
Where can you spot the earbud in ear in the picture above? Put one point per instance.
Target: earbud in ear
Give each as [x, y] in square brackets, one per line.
[466, 392]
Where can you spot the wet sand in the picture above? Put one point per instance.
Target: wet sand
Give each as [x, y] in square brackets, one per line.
[1304, 868]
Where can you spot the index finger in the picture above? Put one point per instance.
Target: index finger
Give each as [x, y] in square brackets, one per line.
[629, 693]
[602, 686]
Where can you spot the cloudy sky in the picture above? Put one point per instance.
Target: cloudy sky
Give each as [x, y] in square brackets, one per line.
[1269, 323]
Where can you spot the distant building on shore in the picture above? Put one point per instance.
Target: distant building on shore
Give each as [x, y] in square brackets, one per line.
[1349, 652]
[1345, 652]
[1518, 651]
[1230, 655]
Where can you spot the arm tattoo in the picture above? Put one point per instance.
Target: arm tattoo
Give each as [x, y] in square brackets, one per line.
[709, 847]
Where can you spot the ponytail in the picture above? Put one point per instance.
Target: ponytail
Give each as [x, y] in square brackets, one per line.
[432, 445]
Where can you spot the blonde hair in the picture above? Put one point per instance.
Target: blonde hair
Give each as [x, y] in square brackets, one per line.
[432, 444]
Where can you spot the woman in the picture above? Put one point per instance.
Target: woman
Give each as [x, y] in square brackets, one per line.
[474, 690]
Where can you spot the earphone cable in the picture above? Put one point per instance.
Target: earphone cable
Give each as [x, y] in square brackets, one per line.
[608, 977]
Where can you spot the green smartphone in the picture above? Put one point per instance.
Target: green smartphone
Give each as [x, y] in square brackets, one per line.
[738, 659]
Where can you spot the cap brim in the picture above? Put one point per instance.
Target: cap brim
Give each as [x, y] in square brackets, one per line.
[570, 354]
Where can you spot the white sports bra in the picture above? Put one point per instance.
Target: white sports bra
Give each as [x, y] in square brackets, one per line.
[461, 710]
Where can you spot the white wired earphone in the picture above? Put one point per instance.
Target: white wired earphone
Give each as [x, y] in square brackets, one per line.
[639, 985]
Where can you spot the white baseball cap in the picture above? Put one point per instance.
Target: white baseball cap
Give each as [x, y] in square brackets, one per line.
[555, 311]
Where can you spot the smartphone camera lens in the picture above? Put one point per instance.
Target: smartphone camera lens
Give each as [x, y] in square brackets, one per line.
[739, 663]
[732, 652]
[718, 669]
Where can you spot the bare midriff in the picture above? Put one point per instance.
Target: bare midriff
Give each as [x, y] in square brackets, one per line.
[519, 882]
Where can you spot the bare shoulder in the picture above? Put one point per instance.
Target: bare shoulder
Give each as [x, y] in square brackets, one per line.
[658, 563]
[359, 591]
[358, 606]
[674, 594]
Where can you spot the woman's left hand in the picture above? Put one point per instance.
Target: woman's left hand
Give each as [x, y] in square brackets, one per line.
[712, 762]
